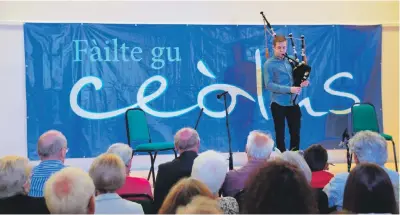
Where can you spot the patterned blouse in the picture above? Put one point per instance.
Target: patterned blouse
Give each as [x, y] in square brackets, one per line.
[229, 205]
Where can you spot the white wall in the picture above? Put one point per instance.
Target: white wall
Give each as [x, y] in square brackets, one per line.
[13, 14]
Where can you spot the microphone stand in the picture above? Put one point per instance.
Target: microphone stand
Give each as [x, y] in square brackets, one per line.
[229, 135]
[345, 142]
[198, 119]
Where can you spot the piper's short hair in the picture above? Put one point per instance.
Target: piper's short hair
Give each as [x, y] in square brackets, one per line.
[14, 173]
[69, 191]
[108, 173]
[369, 147]
[122, 150]
[278, 39]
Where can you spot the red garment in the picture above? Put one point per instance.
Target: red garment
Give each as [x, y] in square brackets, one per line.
[136, 185]
[320, 178]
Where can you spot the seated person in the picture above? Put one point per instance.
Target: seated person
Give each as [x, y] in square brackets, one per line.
[295, 158]
[70, 191]
[14, 186]
[132, 185]
[187, 143]
[258, 149]
[367, 147]
[316, 157]
[278, 187]
[369, 190]
[52, 149]
[182, 193]
[108, 173]
[200, 205]
[210, 168]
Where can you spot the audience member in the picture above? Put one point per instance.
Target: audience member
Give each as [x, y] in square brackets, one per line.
[258, 149]
[182, 193]
[52, 150]
[278, 187]
[369, 190]
[210, 168]
[200, 205]
[132, 184]
[366, 147]
[187, 143]
[70, 191]
[316, 157]
[295, 158]
[108, 173]
[14, 186]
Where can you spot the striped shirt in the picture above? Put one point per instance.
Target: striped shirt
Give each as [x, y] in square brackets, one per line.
[41, 173]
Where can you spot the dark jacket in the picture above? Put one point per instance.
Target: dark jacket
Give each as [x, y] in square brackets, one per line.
[22, 204]
[169, 173]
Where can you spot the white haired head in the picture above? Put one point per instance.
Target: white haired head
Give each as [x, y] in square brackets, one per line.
[210, 167]
[124, 152]
[369, 146]
[14, 175]
[70, 191]
[259, 145]
[296, 159]
[108, 173]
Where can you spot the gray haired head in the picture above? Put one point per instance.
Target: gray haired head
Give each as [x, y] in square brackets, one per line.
[259, 145]
[369, 147]
[123, 151]
[50, 143]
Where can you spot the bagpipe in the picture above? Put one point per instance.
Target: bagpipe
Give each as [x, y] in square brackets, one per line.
[300, 70]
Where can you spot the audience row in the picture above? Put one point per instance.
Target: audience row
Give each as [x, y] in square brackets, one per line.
[270, 182]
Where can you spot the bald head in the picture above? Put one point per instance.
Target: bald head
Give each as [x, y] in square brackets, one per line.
[259, 145]
[50, 145]
[187, 139]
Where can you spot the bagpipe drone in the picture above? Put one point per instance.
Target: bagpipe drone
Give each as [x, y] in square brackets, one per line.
[300, 70]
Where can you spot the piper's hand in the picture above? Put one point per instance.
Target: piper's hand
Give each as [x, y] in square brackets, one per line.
[295, 90]
[304, 83]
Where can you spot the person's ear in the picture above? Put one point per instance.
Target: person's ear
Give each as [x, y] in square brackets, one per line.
[355, 159]
[91, 205]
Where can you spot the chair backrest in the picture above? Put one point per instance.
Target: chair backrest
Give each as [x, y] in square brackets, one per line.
[364, 117]
[141, 198]
[136, 125]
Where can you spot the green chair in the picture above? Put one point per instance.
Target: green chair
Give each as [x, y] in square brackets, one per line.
[138, 131]
[364, 118]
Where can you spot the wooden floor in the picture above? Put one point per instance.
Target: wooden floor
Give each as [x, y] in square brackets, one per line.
[337, 168]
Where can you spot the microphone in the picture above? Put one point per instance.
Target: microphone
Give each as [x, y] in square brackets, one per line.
[220, 95]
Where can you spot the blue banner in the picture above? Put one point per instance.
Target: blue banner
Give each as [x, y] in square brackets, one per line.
[81, 78]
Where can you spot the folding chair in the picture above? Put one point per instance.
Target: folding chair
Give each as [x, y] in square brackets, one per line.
[364, 118]
[138, 130]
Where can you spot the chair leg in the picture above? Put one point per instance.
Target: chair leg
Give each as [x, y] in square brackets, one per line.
[154, 175]
[395, 155]
[151, 167]
[175, 153]
[151, 172]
